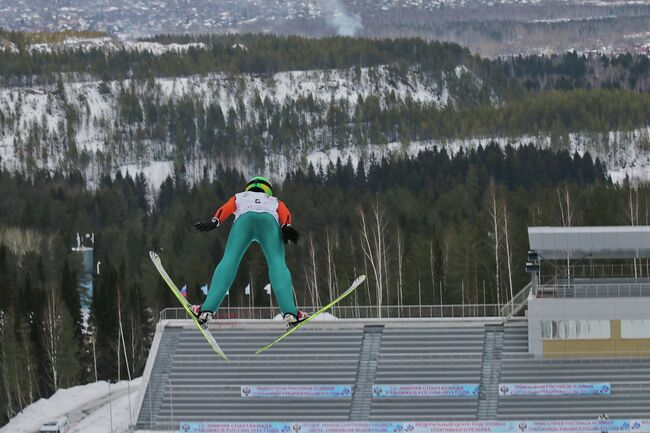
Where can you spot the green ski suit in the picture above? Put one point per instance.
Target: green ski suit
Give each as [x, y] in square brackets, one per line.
[257, 219]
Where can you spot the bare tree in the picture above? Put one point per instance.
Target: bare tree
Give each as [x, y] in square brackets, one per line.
[373, 244]
[310, 290]
[314, 276]
[495, 215]
[566, 206]
[21, 241]
[508, 251]
[433, 274]
[93, 340]
[633, 205]
[633, 215]
[52, 326]
[400, 260]
[566, 217]
[58, 338]
[330, 265]
[6, 346]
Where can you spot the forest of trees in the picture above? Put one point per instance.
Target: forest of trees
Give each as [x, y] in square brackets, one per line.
[543, 98]
[439, 217]
[573, 71]
[259, 54]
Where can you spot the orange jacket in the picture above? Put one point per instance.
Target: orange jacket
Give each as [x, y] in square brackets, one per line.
[230, 207]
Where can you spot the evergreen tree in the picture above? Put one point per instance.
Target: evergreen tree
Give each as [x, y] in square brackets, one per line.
[70, 298]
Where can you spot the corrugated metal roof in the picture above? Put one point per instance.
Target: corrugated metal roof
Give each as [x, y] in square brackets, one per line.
[605, 242]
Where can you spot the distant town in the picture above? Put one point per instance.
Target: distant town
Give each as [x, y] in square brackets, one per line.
[488, 27]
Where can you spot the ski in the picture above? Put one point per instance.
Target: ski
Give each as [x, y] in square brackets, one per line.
[186, 305]
[356, 283]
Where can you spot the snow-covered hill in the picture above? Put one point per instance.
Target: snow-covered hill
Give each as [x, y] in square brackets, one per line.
[46, 126]
[626, 154]
[90, 409]
[90, 125]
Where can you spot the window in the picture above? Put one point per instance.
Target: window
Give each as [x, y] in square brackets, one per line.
[639, 328]
[576, 330]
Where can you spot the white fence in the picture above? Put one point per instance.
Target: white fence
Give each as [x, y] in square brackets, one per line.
[359, 312]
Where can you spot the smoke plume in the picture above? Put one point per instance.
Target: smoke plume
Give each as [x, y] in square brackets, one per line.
[337, 16]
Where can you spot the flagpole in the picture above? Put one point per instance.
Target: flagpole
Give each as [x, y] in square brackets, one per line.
[267, 289]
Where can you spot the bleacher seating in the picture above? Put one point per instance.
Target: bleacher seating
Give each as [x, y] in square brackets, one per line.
[428, 355]
[515, 338]
[629, 379]
[201, 387]
[190, 383]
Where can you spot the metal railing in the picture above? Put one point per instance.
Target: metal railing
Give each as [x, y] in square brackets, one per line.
[153, 352]
[517, 303]
[593, 290]
[451, 358]
[298, 360]
[359, 312]
[602, 270]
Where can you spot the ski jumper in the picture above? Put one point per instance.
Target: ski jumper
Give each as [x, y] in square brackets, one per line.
[258, 218]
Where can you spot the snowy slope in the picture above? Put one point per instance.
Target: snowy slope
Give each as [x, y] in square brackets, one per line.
[626, 154]
[35, 134]
[39, 114]
[88, 408]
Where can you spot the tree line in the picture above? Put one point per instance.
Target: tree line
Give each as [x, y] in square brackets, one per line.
[144, 124]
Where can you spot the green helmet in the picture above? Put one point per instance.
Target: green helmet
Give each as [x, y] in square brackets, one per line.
[260, 184]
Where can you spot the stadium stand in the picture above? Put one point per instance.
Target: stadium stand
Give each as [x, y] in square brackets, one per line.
[188, 382]
[629, 379]
[429, 355]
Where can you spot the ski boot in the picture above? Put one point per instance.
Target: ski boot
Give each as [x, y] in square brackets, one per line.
[201, 316]
[292, 320]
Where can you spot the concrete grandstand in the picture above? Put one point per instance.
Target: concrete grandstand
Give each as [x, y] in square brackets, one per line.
[472, 373]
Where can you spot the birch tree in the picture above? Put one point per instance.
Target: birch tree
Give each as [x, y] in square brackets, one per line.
[8, 347]
[330, 266]
[494, 211]
[566, 205]
[314, 272]
[60, 348]
[400, 262]
[566, 218]
[506, 233]
[373, 243]
[433, 274]
[633, 215]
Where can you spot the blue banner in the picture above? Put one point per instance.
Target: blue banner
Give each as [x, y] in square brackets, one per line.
[296, 391]
[425, 390]
[576, 426]
[534, 389]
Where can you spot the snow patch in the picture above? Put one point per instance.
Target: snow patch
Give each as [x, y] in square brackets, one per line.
[73, 402]
[112, 44]
[626, 154]
[155, 171]
[323, 316]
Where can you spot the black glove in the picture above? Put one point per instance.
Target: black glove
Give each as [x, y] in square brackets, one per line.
[206, 227]
[289, 234]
